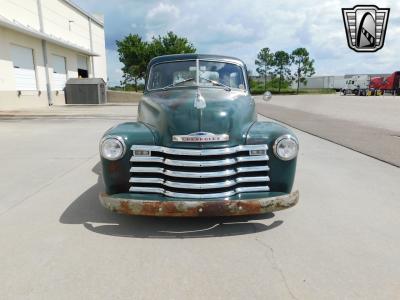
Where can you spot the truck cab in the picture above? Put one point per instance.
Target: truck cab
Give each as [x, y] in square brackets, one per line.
[356, 85]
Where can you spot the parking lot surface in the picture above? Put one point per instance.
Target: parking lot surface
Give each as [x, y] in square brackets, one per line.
[375, 111]
[340, 242]
[379, 143]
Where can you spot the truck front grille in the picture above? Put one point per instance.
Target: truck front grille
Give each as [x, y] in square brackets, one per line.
[205, 173]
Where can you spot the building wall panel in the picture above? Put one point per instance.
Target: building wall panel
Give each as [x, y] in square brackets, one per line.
[100, 69]
[24, 12]
[65, 22]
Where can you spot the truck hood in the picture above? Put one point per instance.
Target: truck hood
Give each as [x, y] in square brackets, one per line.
[173, 112]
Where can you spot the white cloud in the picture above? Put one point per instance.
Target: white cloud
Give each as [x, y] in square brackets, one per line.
[161, 15]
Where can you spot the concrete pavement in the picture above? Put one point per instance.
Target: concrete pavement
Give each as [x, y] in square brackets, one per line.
[374, 111]
[113, 111]
[340, 242]
[379, 143]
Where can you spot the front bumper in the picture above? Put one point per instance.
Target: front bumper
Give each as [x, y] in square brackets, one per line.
[195, 208]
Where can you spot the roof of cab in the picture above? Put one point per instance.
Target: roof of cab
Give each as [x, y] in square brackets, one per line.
[165, 58]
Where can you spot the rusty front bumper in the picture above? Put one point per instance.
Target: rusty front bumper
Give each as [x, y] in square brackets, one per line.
[194, 208]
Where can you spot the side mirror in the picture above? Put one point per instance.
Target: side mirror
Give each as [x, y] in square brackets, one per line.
[267, 96]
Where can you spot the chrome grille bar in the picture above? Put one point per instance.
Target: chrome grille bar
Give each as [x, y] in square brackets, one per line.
[199, 152]
[224, 173]
[201, 163]
[189, 185]
[199, 173]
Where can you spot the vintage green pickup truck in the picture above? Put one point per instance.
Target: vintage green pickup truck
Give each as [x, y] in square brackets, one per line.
[197, 148]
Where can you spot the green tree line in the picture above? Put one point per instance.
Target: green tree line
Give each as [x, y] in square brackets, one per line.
[279, 66]
[283, 68]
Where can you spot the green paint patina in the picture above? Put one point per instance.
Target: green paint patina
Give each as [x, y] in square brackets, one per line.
[164, 113]
[172, 112]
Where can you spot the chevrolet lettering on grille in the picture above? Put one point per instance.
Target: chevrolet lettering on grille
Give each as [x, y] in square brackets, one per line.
[201, 137]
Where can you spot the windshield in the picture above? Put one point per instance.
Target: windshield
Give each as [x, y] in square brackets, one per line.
[184, 73]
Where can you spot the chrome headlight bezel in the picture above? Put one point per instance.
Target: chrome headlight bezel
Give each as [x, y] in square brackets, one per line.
[282, 138]
[119, 140]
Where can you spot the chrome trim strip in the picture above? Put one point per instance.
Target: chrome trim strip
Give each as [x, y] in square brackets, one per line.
[154, 159]
[196, 163]
[200, 152]
[146, 180]
[146, 170]
[224, 173]
[199, 186]
[252, 158]
[252, 189]
[252, 169]
[146, 189]
[252, 179]
[199, 196]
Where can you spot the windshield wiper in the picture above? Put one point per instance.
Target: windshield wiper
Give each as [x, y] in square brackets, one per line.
[178, 82]
[227, 87]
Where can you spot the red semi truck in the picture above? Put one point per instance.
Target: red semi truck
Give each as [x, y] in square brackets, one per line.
[380, 85]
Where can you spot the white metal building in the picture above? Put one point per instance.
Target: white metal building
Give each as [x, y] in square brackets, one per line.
[42, 44]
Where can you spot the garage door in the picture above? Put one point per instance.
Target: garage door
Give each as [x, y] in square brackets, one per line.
[24, 68]
[59, 73]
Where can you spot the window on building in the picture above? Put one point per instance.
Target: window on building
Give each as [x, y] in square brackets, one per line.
[83, 71]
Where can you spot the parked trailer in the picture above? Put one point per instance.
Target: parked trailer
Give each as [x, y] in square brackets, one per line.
[338, 83]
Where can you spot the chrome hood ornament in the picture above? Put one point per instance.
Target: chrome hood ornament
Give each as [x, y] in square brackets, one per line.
[199, 101]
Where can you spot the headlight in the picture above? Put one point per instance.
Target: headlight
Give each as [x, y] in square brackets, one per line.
[112, 147]
[286, 147]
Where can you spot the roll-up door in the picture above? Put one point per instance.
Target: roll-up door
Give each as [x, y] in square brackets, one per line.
[24, 68]
[59, 73]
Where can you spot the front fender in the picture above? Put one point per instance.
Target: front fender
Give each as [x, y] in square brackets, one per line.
[281, 172]
[116, 174]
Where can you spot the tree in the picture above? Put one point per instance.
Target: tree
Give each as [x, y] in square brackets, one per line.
[170, 44]
[281, 66]
[304, 65]
[135, 54]
[264, 62]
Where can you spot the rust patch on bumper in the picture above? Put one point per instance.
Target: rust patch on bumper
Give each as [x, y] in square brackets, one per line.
[194, 208]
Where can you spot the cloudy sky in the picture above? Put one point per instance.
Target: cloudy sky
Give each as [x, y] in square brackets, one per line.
[242, 27]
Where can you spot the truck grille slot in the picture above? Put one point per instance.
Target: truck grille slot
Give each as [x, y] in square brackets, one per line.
[205, 173]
